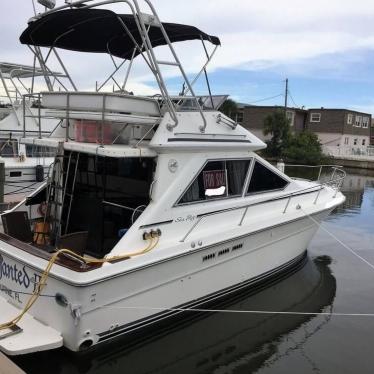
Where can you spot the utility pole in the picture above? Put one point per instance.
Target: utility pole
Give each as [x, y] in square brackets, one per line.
[286, 95]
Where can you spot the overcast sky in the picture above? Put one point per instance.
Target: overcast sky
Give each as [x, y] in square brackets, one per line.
[325, 48]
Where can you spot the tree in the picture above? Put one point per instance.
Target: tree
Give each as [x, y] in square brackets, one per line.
[230, 108]
[278, 126]
[304, 148]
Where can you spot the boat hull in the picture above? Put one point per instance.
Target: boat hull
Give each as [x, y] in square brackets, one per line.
[101, 311]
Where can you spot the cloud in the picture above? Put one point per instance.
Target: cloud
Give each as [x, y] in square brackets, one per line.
[291, 36]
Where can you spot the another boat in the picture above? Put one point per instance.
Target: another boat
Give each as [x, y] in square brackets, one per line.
[25, 165]
[159, 204]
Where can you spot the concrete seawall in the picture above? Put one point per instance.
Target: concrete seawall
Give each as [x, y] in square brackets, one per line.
[361, 163]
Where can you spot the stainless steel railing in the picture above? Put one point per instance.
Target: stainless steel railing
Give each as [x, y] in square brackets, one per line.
[328, 175]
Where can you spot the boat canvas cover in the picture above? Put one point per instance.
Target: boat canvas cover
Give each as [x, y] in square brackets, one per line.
[102, 31]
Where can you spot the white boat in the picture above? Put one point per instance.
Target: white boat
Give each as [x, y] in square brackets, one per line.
[158, 204]
[25, 165]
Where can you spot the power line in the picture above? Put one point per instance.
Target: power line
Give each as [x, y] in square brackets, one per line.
[292, 99]
[286, 95]
[266, 98]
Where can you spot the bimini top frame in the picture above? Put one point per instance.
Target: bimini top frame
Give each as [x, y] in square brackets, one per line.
[80, 26]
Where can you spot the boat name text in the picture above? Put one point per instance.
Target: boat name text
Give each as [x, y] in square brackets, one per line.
[18, 275]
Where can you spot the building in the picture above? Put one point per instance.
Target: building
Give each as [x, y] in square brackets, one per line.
[254, 117]
[240, 113]
[340, 127]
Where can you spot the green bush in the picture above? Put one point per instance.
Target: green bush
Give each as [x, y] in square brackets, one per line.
[278, 126]
[304, 148]
[230, 108]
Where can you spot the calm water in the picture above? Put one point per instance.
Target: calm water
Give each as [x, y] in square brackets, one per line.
[333, 280]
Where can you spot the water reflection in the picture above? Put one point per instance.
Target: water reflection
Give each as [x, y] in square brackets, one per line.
[356, 182]
[213, 342]
[356, 186]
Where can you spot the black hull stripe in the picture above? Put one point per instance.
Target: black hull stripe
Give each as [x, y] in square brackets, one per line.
[154, 318]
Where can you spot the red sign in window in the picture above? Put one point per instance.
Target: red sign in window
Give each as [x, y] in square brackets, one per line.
[214, 179]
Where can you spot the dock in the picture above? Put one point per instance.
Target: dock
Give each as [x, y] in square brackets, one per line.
[8, 367]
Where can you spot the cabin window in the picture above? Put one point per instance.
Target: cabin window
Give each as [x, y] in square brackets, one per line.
[264, 179]
[8, 148]
[218, 179]
[39, 151]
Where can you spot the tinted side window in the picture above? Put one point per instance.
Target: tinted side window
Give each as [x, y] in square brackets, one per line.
[218, 179]
[263, 179]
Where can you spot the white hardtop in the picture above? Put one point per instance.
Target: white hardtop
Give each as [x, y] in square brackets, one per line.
[221, 133]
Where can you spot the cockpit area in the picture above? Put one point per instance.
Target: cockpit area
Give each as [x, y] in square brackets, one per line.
[90, 202]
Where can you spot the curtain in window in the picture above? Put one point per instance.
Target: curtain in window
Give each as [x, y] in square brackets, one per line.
[193, 193]
[236, 171]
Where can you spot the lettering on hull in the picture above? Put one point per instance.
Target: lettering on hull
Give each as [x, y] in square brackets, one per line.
[20, 276]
